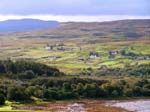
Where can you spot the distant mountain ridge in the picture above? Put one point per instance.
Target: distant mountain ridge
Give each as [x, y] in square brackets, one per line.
[26, 25]
[135, 28]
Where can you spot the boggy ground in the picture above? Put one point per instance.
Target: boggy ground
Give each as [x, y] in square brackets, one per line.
[73, 106]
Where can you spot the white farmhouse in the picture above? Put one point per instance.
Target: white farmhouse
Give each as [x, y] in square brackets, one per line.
[93, 56]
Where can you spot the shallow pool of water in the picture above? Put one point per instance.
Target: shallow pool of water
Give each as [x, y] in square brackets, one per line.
[134, 105]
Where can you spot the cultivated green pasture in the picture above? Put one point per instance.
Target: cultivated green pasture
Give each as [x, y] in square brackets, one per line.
[75, 57]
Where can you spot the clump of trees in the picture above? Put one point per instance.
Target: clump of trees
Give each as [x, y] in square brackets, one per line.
[26, 80]
[136, 70]
[75, 88]
[27, 69]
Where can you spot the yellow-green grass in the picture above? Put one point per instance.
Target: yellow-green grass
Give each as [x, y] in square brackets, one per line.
[70, 57]
[7, 108]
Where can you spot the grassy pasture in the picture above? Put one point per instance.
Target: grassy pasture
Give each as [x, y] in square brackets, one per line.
[75, 50]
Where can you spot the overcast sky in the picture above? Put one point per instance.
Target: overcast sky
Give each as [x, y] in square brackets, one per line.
[62, 10]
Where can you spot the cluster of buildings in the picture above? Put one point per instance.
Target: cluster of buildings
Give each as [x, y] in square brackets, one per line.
[93, 55]
[55, 47]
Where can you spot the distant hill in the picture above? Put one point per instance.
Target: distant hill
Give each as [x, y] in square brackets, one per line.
[26, 25]
[113, 29]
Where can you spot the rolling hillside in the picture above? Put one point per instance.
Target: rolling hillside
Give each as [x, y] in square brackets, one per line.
[114, 29]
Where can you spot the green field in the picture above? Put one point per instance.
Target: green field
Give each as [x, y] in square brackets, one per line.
[75, 55]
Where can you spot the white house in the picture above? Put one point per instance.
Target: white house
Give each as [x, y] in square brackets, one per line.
[113, 52]
[93, 56]
[49, 47]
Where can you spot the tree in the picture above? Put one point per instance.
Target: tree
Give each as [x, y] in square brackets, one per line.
[67, 86]
[2, 99]
[141, 83]
[146, 92]
[137, 91]
[68, 95]
[80, 88]
[128, 92]
[115, 93]
[17, 94]
[51, 94]
[117, 88]
[27, 75]
[2, 68]
[90, 91]
[107, 88]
